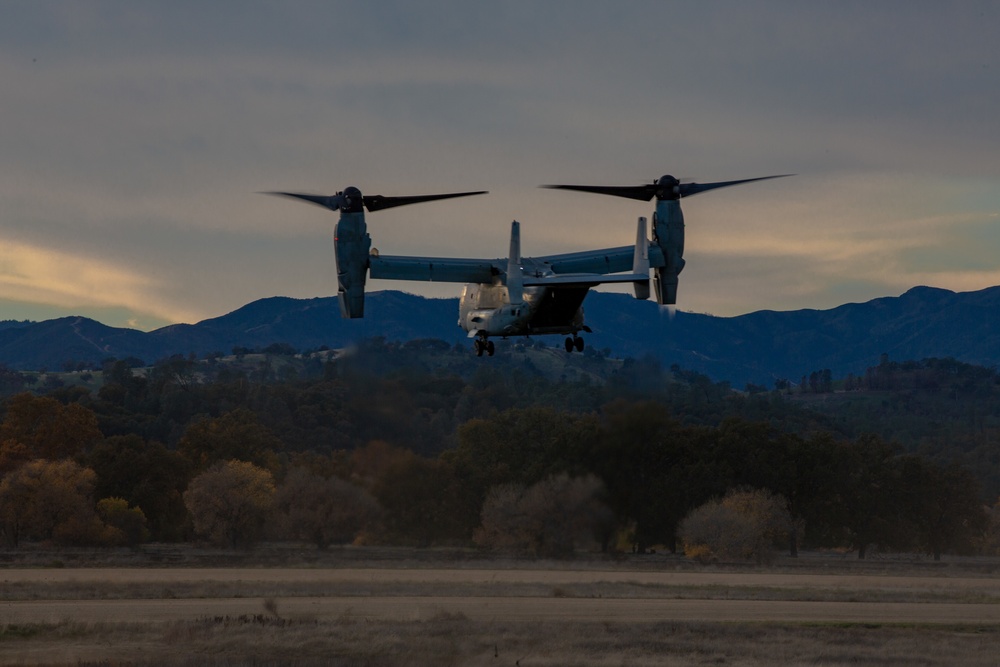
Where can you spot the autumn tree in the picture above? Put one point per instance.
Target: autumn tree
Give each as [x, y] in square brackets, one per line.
[323, 510]
[126, 525]
[230, 503]
[370, 463]
[45, 500]
[714, 531]
[743, 525]
[13, 454]
[47, 428]
[550, 519]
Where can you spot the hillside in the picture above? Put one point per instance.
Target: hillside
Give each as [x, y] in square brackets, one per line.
[759, 347]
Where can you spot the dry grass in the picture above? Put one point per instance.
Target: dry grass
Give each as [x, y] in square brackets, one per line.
[455, 640]
[282, 631]
[175, 590]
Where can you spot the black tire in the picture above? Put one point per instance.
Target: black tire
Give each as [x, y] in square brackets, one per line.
[490, 348]
[569, 344]
[578, 344]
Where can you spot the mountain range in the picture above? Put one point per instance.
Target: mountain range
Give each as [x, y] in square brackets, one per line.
[758, 347]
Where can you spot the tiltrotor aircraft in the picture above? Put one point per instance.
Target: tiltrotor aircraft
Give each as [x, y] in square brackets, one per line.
[519, 296]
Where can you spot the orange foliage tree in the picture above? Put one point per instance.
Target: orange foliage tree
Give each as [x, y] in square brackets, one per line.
[230, 503]
[50, 500]
[47, 429]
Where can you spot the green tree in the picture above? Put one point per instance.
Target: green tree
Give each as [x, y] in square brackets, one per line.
[652, 469]
[235, 435]
[863, 505]
[230, 503]
[989, 544]
[146, 475]
[425, 502]
[521, 446]
[942, 505]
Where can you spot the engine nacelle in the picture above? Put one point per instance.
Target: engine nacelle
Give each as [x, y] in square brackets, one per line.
[668, 234]
[351, 244]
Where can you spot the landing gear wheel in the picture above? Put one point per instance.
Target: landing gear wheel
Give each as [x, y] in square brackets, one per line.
[569, 344]
[490, 348]
[479, 347]
[578, 343]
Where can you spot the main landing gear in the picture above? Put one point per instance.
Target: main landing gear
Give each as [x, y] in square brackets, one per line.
[574, 343]
[484, 345]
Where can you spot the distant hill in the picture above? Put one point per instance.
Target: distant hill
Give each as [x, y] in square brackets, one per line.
[758, 347]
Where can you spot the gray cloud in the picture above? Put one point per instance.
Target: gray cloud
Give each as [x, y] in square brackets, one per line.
[137, 135]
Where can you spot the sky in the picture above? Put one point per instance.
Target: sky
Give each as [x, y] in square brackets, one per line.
[138, 136]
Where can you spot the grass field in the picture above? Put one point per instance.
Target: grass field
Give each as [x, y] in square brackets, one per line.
[421, 609]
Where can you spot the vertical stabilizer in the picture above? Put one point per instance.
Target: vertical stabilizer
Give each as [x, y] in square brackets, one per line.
[640, 261]
[515, 281]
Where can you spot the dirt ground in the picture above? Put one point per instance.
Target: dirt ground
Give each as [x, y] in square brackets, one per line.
[597, 614]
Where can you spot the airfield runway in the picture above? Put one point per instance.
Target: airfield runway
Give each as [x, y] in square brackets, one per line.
[497, 595]
[506, 609]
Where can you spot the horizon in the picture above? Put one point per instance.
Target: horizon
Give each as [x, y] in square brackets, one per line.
[333, 298]
[139, 139]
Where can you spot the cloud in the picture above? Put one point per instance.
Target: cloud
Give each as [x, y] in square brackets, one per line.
[139, 136]
[33, 275]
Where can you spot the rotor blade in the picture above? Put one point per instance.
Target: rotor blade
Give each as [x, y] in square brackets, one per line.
[331, 202]
[690, 189]
[640, 192]
[378, 202]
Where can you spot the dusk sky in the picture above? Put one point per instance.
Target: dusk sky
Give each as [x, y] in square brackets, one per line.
[137, 136]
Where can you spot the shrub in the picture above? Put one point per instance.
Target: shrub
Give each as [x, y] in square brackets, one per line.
[741, 526]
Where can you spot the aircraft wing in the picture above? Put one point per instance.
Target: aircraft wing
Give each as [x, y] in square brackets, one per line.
[603, 261]
[437, 269]
[583, 279]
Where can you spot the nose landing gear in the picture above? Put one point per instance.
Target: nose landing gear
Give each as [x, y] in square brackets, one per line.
[484, 345]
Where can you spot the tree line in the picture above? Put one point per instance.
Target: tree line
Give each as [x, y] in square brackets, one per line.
[631, 473]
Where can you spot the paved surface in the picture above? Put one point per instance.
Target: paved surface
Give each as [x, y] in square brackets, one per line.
[504, 576]
[503, 609]
[443, 584]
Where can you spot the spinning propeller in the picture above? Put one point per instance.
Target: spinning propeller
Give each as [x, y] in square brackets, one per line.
[351, 242]
[665, 187]
[351, 200]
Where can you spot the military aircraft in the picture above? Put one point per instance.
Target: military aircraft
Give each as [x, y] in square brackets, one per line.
[516, 295]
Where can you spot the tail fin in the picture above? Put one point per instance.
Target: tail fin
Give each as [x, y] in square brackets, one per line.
[640, 261]
[515, 281]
